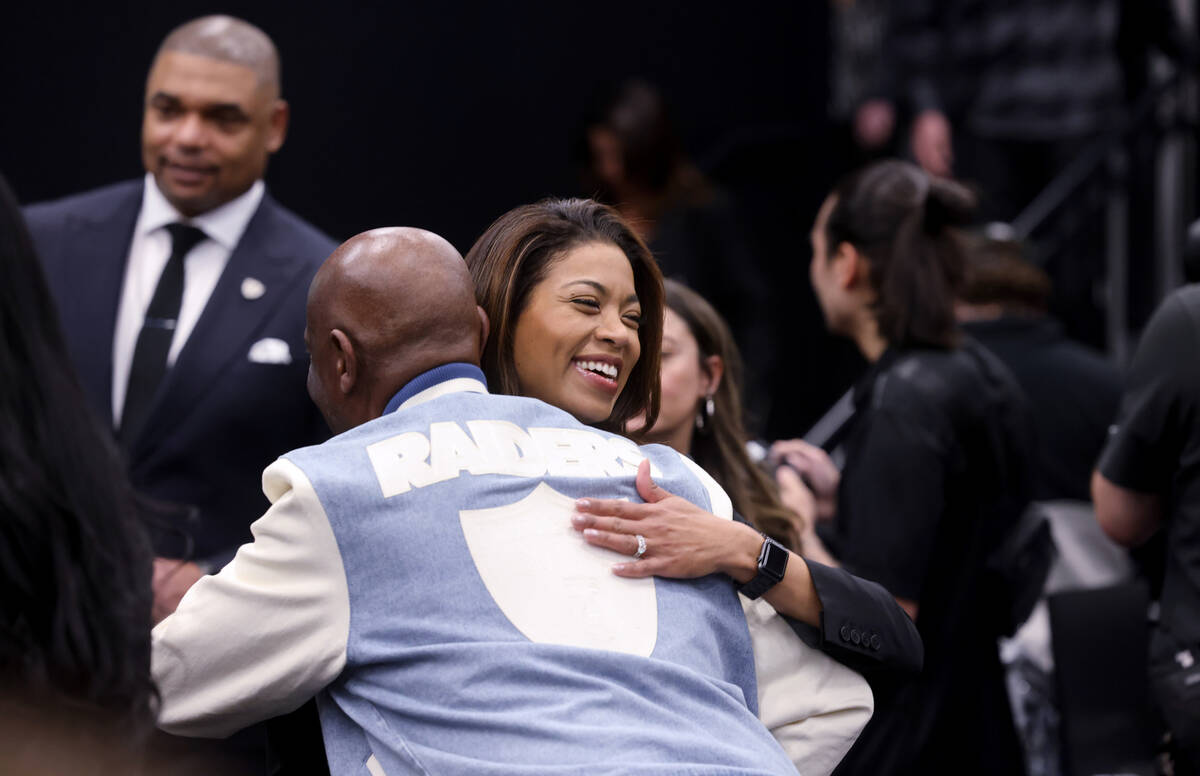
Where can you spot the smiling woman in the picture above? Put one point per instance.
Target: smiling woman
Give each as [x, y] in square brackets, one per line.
[575, 303]
[577, 339]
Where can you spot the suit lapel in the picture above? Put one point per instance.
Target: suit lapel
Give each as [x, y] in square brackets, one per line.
[228, 325]
[90, 311]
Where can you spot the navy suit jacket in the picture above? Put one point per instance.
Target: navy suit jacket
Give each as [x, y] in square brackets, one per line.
[218, 419]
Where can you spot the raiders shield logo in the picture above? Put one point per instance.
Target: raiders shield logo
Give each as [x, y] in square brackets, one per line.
[551, 585]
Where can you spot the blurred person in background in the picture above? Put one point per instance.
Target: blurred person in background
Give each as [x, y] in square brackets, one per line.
[935, 474]
[701, 417]
[861, 103]
[75, 688]
[181, 297]
[1147, 483]
[701, 413]
[1073, 393]
[1072, 390]
[1005, 95]
[632, 158]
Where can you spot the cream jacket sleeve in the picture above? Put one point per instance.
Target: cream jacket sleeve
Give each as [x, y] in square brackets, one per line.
[266, 633]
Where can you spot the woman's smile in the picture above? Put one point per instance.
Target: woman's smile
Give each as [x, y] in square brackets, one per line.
[576, 341]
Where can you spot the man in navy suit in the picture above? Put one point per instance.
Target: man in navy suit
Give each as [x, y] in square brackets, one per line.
[182, 297]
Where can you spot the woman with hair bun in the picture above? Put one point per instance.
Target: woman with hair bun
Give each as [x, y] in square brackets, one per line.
[935, 470]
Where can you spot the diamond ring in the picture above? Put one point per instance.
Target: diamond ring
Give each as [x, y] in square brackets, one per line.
[641, 550]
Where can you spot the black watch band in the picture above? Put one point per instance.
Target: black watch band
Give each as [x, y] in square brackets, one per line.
[772, 563]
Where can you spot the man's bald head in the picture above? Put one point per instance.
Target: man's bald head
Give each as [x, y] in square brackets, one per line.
[228, 39]
[386, 306]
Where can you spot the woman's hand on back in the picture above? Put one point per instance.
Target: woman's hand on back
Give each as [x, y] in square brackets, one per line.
[682, 540]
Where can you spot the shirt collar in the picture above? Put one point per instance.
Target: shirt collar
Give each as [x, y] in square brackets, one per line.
[224, 225]
[439, 381]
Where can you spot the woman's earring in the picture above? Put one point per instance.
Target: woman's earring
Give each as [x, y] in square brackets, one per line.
[705, 413]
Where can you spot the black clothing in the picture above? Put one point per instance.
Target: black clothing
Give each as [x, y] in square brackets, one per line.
[1155, 448]
[221, 415]
[149, 364]
[887, 642]
[935, 476]
[1009, 175]
[862, 626]
[1073, 393]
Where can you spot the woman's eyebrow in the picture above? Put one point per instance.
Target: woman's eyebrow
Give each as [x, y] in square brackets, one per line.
[600, 287]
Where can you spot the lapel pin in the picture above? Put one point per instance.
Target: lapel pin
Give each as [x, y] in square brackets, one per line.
[252, 288]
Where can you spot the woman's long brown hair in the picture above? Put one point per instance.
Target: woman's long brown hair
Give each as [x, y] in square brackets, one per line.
[720, 447]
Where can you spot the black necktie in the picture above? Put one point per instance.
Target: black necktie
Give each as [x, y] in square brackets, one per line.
[153, 343]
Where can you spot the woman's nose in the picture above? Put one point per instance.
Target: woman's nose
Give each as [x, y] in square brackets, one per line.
[613, 329]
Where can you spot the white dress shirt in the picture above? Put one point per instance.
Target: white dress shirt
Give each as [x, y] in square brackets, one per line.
[148, 254]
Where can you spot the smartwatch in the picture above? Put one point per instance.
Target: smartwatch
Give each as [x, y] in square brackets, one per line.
[772, 562]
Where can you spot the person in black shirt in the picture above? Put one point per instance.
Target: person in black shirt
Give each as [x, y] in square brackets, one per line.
[1148, 480]
[1073, 390]
[935, 468]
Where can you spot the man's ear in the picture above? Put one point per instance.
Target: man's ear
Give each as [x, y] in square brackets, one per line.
[849, 266]
[714, 370]
[484, 329]
[278, 125]
[345, 361]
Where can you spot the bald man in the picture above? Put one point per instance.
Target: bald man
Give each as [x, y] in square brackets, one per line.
[419, 571]
[182, 298]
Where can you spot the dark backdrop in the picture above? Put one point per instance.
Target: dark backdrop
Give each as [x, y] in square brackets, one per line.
[445, 115]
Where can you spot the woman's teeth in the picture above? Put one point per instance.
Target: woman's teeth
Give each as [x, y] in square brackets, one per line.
[608, 370]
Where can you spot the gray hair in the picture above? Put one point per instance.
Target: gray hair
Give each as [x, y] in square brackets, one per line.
[230, 40]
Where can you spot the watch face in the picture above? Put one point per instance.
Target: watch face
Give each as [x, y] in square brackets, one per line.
[774, 560]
